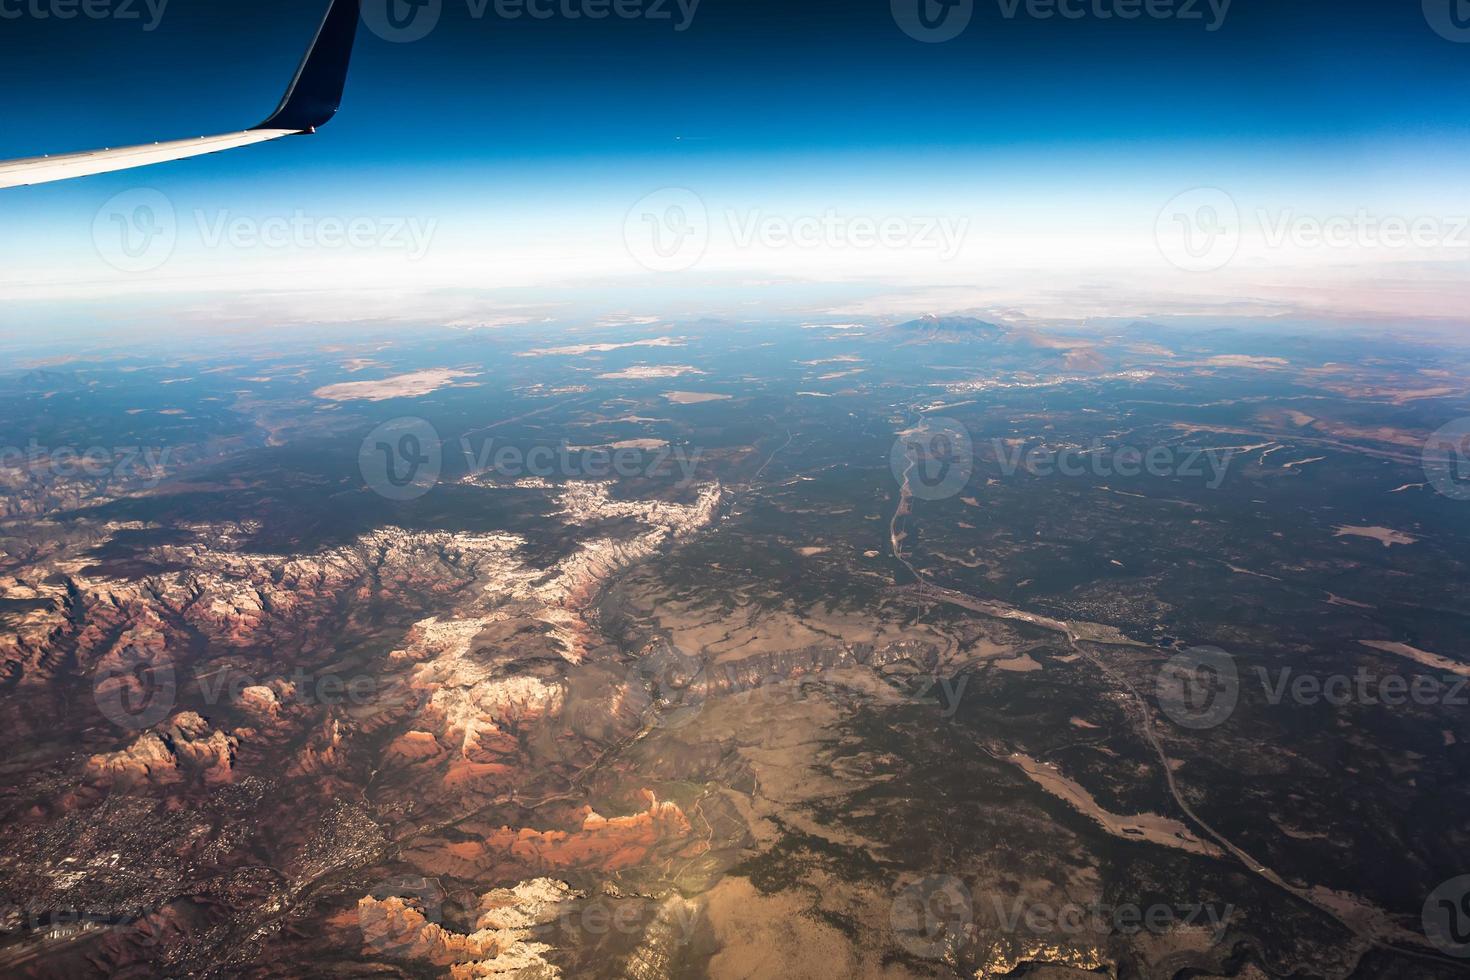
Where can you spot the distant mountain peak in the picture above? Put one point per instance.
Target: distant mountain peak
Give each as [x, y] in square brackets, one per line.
[933, 327]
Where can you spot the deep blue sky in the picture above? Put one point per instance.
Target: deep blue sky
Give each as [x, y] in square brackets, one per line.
[748, 76]
[527, 143]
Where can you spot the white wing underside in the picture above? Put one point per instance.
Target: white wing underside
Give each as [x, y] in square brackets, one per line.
[42, 170]
[311, 100]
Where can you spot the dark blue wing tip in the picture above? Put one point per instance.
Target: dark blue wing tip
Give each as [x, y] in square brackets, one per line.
[316, 92]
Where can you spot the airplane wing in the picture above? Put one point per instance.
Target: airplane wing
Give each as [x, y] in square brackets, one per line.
[310, 101]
